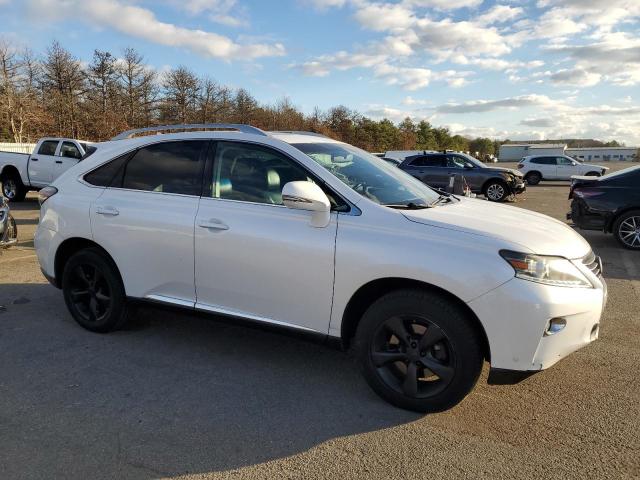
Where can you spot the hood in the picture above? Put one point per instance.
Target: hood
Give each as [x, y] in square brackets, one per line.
[535, 232]
[517, 173]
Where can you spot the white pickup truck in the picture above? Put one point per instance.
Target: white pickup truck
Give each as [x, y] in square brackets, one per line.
[21, 172]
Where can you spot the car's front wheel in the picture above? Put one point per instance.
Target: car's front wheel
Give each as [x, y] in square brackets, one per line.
[496, 191]
[418, 350]
[93, 291]
[626, 229]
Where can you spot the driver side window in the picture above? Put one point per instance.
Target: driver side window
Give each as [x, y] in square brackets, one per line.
[453, 161]
[252, 173]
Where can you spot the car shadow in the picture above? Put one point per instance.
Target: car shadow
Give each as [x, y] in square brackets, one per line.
[173, 393]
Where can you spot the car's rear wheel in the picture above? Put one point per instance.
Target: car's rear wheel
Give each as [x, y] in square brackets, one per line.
[626, 229]
[12, 187]
[533, 178]
[496, 191]
[93, 291]
[418, 351]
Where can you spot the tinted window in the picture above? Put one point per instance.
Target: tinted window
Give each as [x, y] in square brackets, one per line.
[69, 150]
[105, 175]
[252, 173]
[456, 161]
[544, 160]
[48, 147]
[430, 161]
[169, 167]
[564, 161]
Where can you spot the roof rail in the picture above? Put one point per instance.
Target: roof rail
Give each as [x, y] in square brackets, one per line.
[299, 132]
[192, 126]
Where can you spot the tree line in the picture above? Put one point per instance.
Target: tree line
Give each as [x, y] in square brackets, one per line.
[55, 94]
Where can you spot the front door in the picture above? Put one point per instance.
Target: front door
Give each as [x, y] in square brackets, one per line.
[255, 258]
[566, 168]
[68, 156]
[145, 220]
[41, 163]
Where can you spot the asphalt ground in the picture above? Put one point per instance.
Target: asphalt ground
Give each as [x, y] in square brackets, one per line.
[182, 396]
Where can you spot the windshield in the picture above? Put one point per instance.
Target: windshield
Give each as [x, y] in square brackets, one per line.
[368, 175]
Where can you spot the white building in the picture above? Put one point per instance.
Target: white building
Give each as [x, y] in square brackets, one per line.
[603, 154]
[513, 152]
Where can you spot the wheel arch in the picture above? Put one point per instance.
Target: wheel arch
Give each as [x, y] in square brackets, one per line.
[71, 246]
[9, 169]
[373, 290]
[614, 218]
[528, 174]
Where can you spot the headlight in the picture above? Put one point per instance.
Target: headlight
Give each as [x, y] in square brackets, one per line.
[556, 271]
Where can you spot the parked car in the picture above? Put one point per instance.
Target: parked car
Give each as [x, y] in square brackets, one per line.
[21, 172]
[536, 168]
[8, 227]
[314, 235]
[610, 204]
[436, 169]
[392, 161]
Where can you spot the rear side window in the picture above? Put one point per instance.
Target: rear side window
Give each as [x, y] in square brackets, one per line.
[169, 167]
[48, 147]
[544, 161]
[105, 176]
[430, 161]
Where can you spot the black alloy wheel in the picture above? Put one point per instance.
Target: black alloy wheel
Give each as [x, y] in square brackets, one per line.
[419, 350]
[413, 356]
[93, 291]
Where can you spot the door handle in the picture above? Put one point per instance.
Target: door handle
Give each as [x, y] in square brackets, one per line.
[214, 224]
[34, 159]
[59, 161]
[109, 211]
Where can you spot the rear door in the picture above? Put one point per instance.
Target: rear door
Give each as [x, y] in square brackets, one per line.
[145, 219]
[41, 163]
[545, 165]
[68, 155]
[429, 169]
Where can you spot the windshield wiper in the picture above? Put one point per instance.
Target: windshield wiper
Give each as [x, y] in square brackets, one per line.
[443, 198]
[406, 206]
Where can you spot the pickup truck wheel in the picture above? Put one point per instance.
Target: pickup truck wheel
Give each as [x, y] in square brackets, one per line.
[13, 188]
[496, 191]
[418, 351]
[93, 291]
[533, 178]
[626, 229]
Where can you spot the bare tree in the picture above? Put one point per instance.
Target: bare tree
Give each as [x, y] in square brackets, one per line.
[103, 95]
[64, 84]
[139, 89]
[181, 87]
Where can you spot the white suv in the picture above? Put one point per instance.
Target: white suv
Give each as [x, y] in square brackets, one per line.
[556, 167]
[300, 231]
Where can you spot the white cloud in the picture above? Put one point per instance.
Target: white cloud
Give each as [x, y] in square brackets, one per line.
[445, 4]
[499, 14]
[483, 106]
[576, 76]
[384, 16]
[142, 23]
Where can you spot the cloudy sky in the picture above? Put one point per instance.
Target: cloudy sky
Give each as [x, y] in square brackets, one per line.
[507, 69]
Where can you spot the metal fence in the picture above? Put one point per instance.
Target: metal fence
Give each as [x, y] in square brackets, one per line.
[17, 147]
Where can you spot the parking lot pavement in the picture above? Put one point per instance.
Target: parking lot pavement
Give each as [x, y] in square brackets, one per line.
[177, 395]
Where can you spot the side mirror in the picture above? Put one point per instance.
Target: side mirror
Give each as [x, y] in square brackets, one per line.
[308, 196]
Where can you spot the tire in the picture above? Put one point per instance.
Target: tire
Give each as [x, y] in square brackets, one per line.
[496, 190]
[626, 229]
[437, 336]
[93, 291]
[593, 174]
[12, 187]
[533, 178]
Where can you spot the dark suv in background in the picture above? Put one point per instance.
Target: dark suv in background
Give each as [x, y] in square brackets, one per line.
[436, 168]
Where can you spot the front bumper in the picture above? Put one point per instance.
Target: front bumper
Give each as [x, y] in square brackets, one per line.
[517, 314]
[518, 187]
